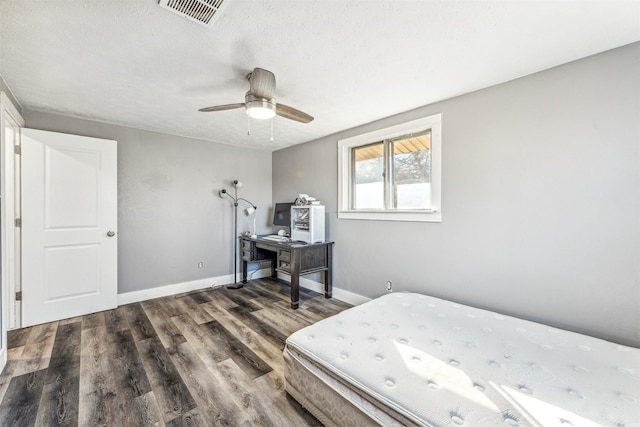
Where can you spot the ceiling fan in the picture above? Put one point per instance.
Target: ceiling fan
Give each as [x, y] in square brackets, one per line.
[259, 101]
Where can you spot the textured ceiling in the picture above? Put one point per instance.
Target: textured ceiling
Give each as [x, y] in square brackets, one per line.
[133, 63]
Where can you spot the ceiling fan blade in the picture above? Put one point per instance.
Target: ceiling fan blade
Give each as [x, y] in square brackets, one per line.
[221, 107]
[262, 83]
[292, 114]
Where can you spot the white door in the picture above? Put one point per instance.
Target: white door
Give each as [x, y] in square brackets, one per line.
[69, 226]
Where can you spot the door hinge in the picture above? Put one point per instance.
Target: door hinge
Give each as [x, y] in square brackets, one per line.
[18, 222]
[19, 296]
[17, 149]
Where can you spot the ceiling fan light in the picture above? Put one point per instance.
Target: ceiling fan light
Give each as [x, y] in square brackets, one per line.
[261, 109]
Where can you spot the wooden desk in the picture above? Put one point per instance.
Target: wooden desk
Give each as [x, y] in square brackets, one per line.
[293, 258]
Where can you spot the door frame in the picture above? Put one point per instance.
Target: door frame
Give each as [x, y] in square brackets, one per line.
[9, 233]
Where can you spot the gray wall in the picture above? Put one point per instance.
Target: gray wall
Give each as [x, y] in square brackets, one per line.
[169, 214]
[541, 201]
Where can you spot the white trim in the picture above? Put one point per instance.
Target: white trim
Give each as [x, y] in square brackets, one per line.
[349, 297]
[178, 288]
[337, 293]
[214, 282]
[167, 290]
[422, 216]
[8, 251]
[434, 123]
[8, 105]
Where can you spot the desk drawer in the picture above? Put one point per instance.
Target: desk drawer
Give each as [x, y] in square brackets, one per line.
[284, 254]
[284, 260]
[248, 250]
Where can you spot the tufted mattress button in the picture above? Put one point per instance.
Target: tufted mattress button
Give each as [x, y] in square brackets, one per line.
[457, 419]
[626, 397]
[524, 389]
[510, 420]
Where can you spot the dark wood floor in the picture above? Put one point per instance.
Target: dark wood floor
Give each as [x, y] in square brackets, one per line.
[204, 358]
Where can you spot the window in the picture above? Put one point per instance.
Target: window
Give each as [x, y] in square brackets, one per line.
[392, 173]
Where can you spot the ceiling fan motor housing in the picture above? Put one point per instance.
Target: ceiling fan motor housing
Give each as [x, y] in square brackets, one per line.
[259, 108]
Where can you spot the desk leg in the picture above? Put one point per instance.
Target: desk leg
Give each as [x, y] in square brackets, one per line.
[328, 275]
[244, 271]
[274, 275]
[295, 280]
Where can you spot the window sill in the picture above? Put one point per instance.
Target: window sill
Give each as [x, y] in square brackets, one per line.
[398, 215]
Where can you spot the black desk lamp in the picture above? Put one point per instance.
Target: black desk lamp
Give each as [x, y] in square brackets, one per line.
[248, 211]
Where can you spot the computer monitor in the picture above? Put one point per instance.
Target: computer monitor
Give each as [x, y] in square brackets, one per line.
[282, 214]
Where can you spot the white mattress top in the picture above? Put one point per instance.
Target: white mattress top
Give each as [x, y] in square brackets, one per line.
[443, 363]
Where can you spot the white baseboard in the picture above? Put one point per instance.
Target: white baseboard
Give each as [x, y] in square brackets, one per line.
[212, 282]
[163, 291]
[337, 293]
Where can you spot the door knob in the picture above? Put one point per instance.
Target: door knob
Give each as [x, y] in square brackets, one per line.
[111, 233]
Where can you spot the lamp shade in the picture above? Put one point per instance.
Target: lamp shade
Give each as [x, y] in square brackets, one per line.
[250, 210]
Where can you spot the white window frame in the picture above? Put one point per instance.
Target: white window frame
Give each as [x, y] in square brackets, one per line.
[345, 146]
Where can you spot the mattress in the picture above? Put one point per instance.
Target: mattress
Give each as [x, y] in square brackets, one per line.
[407, 358]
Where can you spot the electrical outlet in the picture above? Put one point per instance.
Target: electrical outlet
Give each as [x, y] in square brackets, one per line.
[389, 286]
[200, 264]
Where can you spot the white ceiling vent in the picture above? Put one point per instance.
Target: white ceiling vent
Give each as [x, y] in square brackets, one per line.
[201, 11]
